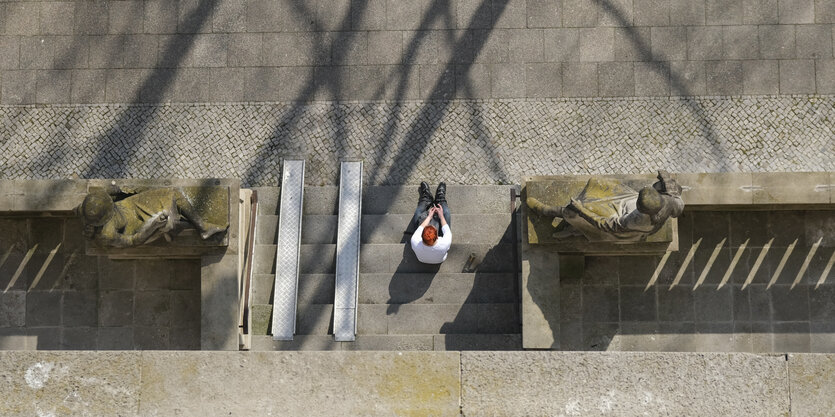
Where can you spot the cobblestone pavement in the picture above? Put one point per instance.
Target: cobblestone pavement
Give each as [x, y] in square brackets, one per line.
[465, 142]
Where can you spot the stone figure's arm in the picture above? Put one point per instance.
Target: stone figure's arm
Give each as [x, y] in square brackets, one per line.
[631, 221]
[588, 215]
[628, 222]
[112, 237]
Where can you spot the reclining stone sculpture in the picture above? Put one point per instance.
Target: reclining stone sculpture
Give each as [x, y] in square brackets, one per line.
[608, 210]
[140, 218]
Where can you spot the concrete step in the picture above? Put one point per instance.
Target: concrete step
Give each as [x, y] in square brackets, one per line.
[402, 199]
[399, 257]
[486, 318]
[394, 342]
[317, 200]
[382, 319]
[310, 319]
[400, 288]
[466, 228]
[392, 228]
[316, 228]
[439, 342]
[299, 342]
[313, 259]
[313, 288]
[397, 199]
[392, 257]
[441, 288]
[478, 341]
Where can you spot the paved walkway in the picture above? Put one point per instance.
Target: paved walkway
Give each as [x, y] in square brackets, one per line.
[462, 141]
[537, 87]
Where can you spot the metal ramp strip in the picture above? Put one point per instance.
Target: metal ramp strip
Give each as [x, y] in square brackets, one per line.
[347, 252]
[285, 294]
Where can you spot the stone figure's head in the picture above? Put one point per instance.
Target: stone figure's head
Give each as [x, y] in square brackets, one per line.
[429, 235]
[649, 201]
[666, 184]
[97, 208]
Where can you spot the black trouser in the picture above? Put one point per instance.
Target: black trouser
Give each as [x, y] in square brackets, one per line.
[422, 211]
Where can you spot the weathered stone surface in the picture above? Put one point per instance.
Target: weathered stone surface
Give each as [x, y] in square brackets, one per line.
[791, 187]
[196, 384]
[310, 383]
[219, 302]
[548, 383]
[211, 201]
[45, 383]
[811, 378]
[41, 195]
[413, 383]
[540, 298]
[716, 188]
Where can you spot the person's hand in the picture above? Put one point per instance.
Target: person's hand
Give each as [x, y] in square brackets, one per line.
[439, 210]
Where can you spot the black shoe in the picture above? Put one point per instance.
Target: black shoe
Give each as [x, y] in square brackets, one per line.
[440, 193]
[424, 192]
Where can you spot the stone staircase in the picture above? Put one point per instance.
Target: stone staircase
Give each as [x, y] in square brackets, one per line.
[470, 302]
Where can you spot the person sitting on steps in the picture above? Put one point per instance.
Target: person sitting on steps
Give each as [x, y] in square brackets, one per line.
[432, 237]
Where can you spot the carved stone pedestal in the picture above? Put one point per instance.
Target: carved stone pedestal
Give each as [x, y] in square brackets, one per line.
[547, 254]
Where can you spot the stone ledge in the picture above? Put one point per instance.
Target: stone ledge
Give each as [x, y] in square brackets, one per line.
[581, 383]
[758, 190]
[229, 383]
[61, 197]
[420, 383]
[57, 197]
[743, 190]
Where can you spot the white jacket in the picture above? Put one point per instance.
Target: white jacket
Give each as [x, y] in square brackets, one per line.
[436, 253]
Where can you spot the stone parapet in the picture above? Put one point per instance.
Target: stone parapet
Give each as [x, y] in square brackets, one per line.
[736, 190]
[413, 383]
[758, 190]
[41, 196]
[242, 383]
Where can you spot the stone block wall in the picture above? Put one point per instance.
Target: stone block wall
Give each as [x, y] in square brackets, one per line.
[742, 281]
[263, 50]
[53, 296]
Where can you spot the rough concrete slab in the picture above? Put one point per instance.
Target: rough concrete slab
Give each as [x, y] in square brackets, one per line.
[299, 342]
[391, 343]
[791, 188]
[540, 299]
[716, 188]
[414, 383]
[310, 383]
[219, 302]
[466, 228]
[402, 199]
[46, 383]
[550, 383]
[478, 342]
[811, 376]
